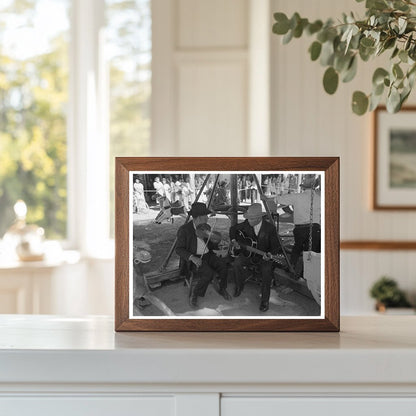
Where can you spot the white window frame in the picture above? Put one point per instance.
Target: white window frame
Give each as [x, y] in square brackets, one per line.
[88, 133]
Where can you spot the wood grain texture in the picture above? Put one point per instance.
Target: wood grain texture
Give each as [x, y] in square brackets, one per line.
[332, 225]
[378, 245]
[329, 165]
[121, 244]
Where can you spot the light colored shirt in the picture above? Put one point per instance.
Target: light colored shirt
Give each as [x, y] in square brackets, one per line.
[302, 206]
[201, 246]
[159, 187]
[138, 187]
[257, 228]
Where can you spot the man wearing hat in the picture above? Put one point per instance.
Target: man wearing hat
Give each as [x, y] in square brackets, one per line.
[264, 233]
[196, 255]
[302, 203]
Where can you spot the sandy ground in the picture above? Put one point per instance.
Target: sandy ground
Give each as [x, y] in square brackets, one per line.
[283, 302]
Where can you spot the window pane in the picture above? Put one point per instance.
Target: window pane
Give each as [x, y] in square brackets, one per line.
[34, 37]
[129, 45]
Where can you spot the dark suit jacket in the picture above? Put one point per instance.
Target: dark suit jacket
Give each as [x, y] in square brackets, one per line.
[186, 245]
[266, 240]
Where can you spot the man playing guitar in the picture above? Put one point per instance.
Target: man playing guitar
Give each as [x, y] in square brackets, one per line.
[264, 233]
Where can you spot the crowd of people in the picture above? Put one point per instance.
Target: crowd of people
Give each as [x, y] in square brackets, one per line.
[181, 190]
[173, 189]
[280, 184]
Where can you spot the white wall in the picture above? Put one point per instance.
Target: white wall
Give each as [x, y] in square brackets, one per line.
[200, 77]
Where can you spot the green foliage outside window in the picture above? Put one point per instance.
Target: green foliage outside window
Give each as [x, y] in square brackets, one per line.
[33, 98]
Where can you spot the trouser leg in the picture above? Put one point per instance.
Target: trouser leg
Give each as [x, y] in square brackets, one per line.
[300, 234]
[266, 280]
[240, 271]
[316, 238]
[202, 277]
[218, 265]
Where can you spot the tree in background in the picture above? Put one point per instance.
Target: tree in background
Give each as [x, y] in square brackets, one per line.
[33, 97]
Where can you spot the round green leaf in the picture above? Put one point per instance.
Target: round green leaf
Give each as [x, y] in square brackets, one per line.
[315, 50]
[330, 80]
[403, 96]
[397, 71]
[351, 71]
[366, 53]
[395, 52]
[281, 27]
[327, 54]
[379, 75]
[403, 56]
[294, 20]
[367, 42]
[314, 27]
[378, 90]
[376, 4]
[322, 36]
[359, 103]
[374, 102]
[298, 30]
[342, 61]
[288, 37]
[393, 101]
[389, 43]
[408, 42]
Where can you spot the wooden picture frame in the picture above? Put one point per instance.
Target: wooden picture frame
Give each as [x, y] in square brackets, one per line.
[323, 168]
[394, 158]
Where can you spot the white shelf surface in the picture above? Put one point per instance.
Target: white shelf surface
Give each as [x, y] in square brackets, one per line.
[370, 350]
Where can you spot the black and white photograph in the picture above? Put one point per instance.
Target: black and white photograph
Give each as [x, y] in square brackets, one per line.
[226, 244]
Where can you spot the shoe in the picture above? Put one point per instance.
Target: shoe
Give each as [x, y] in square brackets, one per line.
[237, 291]
[193, 301]
[264, 306]
[225, 294]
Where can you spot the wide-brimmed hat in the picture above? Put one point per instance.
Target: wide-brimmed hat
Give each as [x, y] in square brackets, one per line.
[198, 209]
[254, 211]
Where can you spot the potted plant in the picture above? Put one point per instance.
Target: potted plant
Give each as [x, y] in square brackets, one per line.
[387, 294]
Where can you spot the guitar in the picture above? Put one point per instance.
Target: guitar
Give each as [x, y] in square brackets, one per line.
[249, 247]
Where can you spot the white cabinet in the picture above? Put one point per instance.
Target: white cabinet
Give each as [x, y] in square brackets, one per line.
[88, 406]
[324, 406]
[53, 365]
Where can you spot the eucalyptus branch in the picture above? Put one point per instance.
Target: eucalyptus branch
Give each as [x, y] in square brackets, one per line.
[339, 47]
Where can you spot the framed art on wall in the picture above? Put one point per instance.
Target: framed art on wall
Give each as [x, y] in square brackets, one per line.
[394, 179]
[227, 244]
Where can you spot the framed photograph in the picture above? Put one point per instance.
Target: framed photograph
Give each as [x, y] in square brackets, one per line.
[227, 244]
[394, 159]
